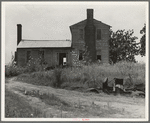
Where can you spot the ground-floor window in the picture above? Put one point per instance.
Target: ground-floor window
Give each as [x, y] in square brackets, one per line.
[80, 55]
[28, 56]
[98, 57]
[41, 55]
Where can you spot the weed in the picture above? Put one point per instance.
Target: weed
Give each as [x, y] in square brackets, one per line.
[18, 107]
[57, 77]
[88, 76]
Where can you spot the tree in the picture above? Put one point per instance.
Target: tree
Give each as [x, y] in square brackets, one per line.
[143, 40]
[123, 46]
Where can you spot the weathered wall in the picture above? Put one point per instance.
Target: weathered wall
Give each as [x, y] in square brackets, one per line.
[77, 42]
[102, 46]
[21, 59]
[51, 56]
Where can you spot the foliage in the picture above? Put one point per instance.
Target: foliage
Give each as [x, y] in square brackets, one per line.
[13, 70]
[36, 65]
[57, 77]
[123, 46]
[87, 76]
[86, 58]
[33, 65]
[143, 40]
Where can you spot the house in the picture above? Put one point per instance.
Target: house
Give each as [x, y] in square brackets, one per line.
[89, 33]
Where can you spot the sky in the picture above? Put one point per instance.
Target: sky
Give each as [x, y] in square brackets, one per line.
[51, 20]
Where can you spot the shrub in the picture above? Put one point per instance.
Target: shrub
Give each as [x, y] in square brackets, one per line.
[57, 77]
[36, 65]
[13, 70]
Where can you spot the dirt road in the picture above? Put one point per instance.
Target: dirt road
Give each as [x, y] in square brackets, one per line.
[91, 105]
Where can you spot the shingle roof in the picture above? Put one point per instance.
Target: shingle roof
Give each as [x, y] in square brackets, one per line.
[44, 44]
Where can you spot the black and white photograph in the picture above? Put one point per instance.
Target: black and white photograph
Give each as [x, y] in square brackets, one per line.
[75, 61]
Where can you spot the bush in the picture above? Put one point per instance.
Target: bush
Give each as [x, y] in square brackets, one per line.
[57, 77]
[33, 65]
[13, 70]
[36, 65]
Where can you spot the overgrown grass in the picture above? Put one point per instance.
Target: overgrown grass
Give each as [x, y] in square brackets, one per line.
[77, 109]
[33, 65]
[12, 70]
[16, 106]
[87, 76]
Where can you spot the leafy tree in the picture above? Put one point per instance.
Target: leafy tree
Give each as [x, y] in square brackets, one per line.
[123, 46]
[142, 40]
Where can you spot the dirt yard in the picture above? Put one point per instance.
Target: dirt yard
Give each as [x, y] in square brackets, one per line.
[83, 104]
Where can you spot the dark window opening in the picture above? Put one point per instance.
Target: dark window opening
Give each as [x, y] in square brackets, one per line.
[98, 34]
[80, 55]
[98, 57]
[28, 56]
[62, 59]
[81, 36]
[41, 55]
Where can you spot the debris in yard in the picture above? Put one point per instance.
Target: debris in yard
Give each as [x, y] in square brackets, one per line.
[140, 87]
[118, 84]
[92, 90]
[105, 86]
[138, 93]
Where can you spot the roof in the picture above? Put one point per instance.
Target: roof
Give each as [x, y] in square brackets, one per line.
[84, 21]
[44, 44]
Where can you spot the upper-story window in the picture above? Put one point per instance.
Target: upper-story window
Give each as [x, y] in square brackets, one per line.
[81, 35]
[98, 34]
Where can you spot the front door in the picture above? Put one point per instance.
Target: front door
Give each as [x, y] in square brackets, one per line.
[62, 56]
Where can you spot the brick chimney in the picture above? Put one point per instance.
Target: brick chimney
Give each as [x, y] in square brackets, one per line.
[19, 33]
[90, 40]
[90, 16]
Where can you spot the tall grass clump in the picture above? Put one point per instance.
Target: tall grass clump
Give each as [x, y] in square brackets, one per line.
[13, 70]
[33, 65]
[87, 76]
[57, 77]
[38, 78]
[94, 74]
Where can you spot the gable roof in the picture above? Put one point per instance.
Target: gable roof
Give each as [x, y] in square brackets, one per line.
[84, 22]
[44, 44]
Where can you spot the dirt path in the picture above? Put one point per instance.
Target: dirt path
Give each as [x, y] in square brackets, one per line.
[110, 106]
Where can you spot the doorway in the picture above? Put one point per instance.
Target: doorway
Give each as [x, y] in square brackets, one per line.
[62, 59]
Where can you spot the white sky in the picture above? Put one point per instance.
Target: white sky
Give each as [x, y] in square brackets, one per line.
[51, 20]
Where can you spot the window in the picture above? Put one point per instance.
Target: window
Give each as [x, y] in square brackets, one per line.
[98, 57]
[98, 34]
[81, 36]
[41, 55]
[28, 56]
[80, 55]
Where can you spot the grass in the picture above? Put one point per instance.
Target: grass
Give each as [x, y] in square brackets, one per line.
[16, 106]
[87, 76]
[77, 109]
[70, 78]
[49, 99]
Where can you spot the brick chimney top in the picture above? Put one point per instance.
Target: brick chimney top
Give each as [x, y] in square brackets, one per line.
[90, 15]
[19, 33]
[19, 25]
